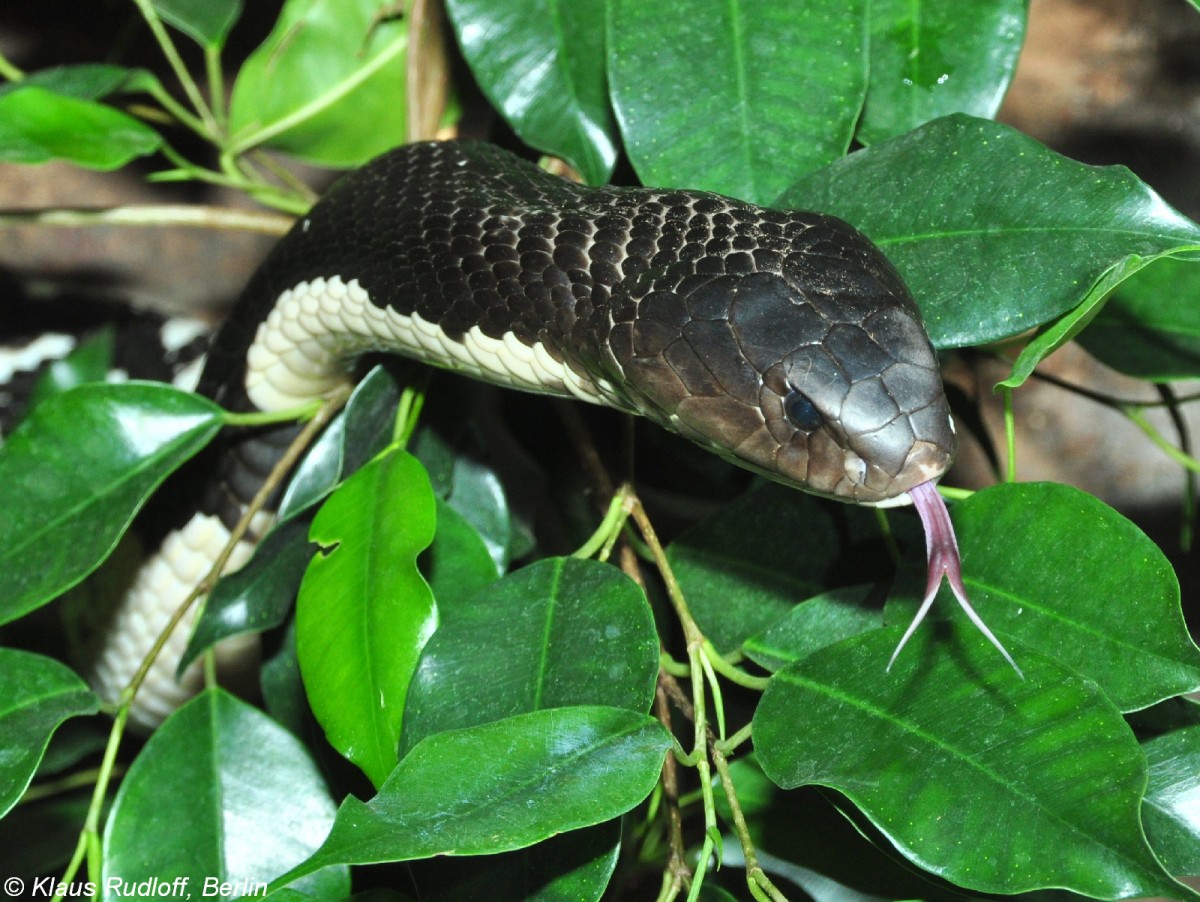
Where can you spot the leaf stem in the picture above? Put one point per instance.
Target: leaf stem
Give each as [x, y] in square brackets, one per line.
[1138, 417]
[177, 66]
[602, 540]
[731, 673]
[760, 884]
[273, 417]
[176, 109]
[408, 413]
[737, 738]
[9, 71]
[216, 84]
[52, 788]
[89, 838]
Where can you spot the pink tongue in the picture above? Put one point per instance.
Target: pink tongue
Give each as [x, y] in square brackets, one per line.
[942, 549]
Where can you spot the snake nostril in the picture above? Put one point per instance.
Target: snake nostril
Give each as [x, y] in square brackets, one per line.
[855, 467]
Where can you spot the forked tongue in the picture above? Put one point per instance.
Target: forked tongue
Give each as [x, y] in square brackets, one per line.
[942, 550]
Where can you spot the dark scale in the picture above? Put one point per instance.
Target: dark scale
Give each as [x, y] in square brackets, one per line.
[466, 235]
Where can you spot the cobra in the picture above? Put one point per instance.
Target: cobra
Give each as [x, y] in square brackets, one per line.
[783, 341]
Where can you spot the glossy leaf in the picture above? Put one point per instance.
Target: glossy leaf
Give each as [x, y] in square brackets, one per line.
[806, 837]
[542, 65]
[220, 792]
[1041, 772]
[457, 564]
[559, 632]
[994, 233]
[359, 432]
[364, 611]
[36, 695]
[501, 786]
[207, 22]
[1150, 327]
[327, 85]
[283, 690]
[747, 566]
[931, 59]
[37, 125]
[711, 96]
[37, 837]
[477, 493]
[1171, 812]
[76, 471]
[1118, 621]
[259, 595]
[814, 624]
[90, 361]
[574, 866]
[256, 598]
[1054, 335]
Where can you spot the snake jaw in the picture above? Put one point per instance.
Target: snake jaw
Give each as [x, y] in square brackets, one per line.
[941, 547]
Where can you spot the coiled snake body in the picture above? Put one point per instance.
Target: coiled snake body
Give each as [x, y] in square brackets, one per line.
[781, 340]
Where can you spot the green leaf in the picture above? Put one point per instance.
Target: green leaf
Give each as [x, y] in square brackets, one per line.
[1040, 772]
[283, 690]
[76, 471]
[364, 611]
[994, 233]
[574, 866]
[1150, 327]
[1117, 621]
[457, 564]
[542, 65]
[747, 566]
[207, 22]
[86, 81]
[556, 633]
[1171, 811]
[710, 96]
[257, 597]
[220, 793]
[37, 125]
[37, 837]
[814, 624]
[358, 433]
[327, 85]
[501, 786]
[930, 60]
[1052, 337]
[477, 493]
[89, 362]
[36, 695]
[810, 838]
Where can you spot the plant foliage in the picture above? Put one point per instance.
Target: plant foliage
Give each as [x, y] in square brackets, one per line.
[454, 689]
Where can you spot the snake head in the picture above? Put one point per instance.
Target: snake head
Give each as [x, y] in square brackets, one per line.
[812, 366]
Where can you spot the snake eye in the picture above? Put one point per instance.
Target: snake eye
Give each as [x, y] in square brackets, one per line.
[801, 412]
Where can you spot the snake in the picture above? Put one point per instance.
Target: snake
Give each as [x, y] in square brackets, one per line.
[783, 341]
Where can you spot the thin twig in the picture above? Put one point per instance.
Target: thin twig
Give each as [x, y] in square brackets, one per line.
[756, 877]
[156, 215]
[89, 837]
[677, 867]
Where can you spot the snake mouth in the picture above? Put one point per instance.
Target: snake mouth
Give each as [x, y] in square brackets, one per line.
[873, 486]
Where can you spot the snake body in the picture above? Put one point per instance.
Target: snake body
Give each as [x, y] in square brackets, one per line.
[782, 340]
